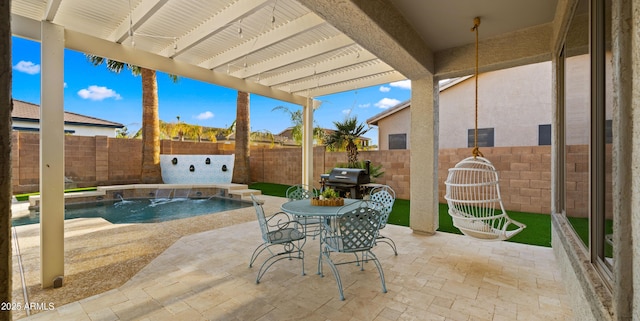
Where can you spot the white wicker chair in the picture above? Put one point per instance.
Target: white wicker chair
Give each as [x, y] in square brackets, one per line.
[473, 196]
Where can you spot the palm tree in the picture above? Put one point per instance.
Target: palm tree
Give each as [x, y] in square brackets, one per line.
[262, 136]
[346, 135]
[296, 130]
[150, 119]
[241, 173]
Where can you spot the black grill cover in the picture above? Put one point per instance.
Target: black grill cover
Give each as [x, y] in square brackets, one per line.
[348, 177]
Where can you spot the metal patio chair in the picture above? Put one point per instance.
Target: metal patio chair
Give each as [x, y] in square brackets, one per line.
[282, 238]
[301, 192]
[384, 196]
[353, 230]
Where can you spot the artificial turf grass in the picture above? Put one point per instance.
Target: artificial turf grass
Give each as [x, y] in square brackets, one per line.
[538, 231]
[25, 197]
[271, 189]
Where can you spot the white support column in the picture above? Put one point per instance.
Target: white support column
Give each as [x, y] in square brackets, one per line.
[52, 155]
[307, 142]
[424, 155]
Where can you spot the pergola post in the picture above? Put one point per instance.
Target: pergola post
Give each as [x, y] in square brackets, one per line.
[424, 155]
[307, 142]
[52, 156]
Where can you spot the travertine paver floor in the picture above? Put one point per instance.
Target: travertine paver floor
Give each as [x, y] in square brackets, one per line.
[205, 276]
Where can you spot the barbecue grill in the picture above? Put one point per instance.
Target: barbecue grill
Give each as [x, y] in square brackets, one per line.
[347, 181]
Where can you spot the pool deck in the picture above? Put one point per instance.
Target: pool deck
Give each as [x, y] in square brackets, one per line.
[196, 269]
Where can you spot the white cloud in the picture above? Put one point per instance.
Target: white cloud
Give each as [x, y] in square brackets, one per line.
[27, 67]
[98, 93]
[65, 85]
[367, 105]
[206, 115]
[384, 89]
[346, 111]
[385, 103]
[403, 84]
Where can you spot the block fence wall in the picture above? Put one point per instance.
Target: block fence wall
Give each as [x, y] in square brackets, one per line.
[525, 172]
[94, 161]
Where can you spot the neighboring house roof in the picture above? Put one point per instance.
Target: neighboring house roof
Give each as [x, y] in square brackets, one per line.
[28, 112]
[388, 112]
[444, 85]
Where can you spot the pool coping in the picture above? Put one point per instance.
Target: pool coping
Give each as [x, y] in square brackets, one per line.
[129, 191]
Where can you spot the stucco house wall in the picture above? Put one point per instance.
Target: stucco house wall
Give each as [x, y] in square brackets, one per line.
[79, 130]
[513, 101]
[397, 123]
[25, 117]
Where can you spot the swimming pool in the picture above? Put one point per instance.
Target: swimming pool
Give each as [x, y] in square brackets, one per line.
[143, 210]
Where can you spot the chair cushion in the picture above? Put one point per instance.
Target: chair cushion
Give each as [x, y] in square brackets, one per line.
[285, 235]
[309, 220]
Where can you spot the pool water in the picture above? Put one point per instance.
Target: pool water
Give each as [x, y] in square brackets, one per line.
[143, 210]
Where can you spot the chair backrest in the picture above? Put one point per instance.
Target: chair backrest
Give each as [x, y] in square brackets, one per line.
[262, 220]
[356, 226]
[385, 196]
[475, 205]
[472, 187]
[300, 192]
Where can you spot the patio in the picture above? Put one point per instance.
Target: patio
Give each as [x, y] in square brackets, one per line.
[205, 276]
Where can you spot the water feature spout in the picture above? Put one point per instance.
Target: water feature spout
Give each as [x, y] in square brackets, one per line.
[182, 171]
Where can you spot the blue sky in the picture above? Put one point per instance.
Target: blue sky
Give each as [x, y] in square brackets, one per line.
[97, 92]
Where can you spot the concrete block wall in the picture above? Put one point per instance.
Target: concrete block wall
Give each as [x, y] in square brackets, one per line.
[125, 162]
[78, 151]
[525, 172]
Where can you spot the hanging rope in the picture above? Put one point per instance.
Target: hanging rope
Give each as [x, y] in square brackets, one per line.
[476, 152]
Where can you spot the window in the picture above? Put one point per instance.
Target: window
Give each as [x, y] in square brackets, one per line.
[544, 135]
[587, 138]
[397, 141]
[485, 137]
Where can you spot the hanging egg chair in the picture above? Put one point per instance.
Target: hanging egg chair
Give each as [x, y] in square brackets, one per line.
[473, 191]
[475, 206]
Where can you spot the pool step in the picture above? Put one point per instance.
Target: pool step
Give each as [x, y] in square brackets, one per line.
[244, 194]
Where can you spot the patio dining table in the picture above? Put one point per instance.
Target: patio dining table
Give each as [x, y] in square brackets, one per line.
[303, 208]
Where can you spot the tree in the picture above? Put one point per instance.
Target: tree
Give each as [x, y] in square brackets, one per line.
[296, 130]
[346, 135]
[150, 119]
[241, 170]
[123, 132]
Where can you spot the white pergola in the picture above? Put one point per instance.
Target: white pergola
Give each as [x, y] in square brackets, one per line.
[290, 50]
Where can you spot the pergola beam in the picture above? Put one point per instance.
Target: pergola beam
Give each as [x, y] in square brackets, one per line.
[316, 49]
[353, 85]
[291, 29]
[340, 76]
[378, 27]
[236, 11]
[52, 10]
[319, 68]
[139, 16]
[96, 46]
